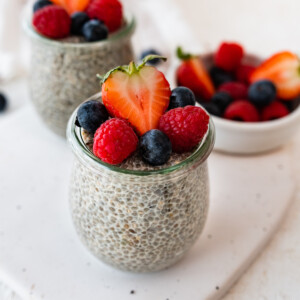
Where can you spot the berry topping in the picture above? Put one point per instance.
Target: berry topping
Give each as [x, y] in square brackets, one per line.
[94, 30]
[152, 62]
[262, 92]
[236, 90]
[72, 6]
[185, 127]
[155, 147]
[243, 73]
[139, 94]
[91, 115]
[3, 102]
[108, 11]
[192, 74]
[78, 19]
[212, 108]
[180, 97]
[273, 111]
[283, 70]
[219, 76]
[229, 56]
[222, 100]
[52, 21]
[241, 110]
[40, 4]
[114, 141]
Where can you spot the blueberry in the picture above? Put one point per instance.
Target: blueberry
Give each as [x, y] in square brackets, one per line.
[40, 4]
[3, 102]
[219, 76]
[154, 61]
[291, 105]
[155, 147]
[212, 109]
[91, 115]
[78, 19]
[222, 100]
[262, 93]
[94, 30]
[181, 97]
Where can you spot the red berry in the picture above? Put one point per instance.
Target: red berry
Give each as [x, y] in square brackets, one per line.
[52, 21]
[108, 11]
[243, 73]
[229, 56]
[236, 90]
[241, 110]
[114, 141]
[185, 127]
[273, 111]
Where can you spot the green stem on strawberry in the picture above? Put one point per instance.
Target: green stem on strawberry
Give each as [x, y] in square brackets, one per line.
[182, 55]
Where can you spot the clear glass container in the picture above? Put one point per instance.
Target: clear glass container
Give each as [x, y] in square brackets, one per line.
[138, 221]
[63, 73]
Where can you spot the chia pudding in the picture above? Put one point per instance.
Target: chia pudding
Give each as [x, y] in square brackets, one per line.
[134, 216]
[63, 72]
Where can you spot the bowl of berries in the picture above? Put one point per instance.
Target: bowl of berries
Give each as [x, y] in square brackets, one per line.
[254, 102]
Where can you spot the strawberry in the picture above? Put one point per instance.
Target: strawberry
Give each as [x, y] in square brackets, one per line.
[139, 94]
[72, 6]
[283, 70]
[192, 74]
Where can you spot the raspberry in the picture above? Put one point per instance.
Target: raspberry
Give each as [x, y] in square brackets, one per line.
[229, 56]
[243, 73]
[108, 11]
[185, 127]
[52, 21]
[236, 90]
[273, 111]
[114, 141]
[241, 110]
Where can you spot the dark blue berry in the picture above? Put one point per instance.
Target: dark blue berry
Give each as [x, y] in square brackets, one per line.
[212, 108]
[219, 76]
[155, 147]
[40, 4]
[222, 100]
[94, 30]
[78, 19]
[181, 97]
[291, 105]
[91, 115]
[3, 102]
[262, 93]
[154, 61]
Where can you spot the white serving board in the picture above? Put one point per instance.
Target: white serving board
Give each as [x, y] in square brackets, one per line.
[42, 258]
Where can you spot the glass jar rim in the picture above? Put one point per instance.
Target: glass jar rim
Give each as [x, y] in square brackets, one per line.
[125, 31]
[78, 146]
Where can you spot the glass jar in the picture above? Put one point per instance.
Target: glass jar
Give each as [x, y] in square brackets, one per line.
[138, 220]
[62, 74]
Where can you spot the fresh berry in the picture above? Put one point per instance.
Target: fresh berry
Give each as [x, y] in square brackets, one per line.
[274, 111]
[72, 6]
[180, 97]
[3, 102]
[108, 11]
[78, 19]
[212, 108]
[114, 141]
[241, 110]
[292, 104]
[283, 70]
[222, 100]
[192, 74]
[185, 127]
[219, 76]
[262, 92]
[229, 56]
[152, 62]
[243, 73]
[139, 94]
[91, 115]
[236, 90]
[52, 21]
[94, 30]
[40, 4]
[155, 147]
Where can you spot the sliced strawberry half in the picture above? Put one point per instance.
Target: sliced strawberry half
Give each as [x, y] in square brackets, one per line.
[139, 94]
[283, 69]
[72, 6]
[192, 74]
